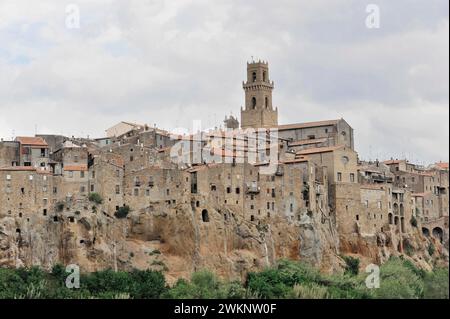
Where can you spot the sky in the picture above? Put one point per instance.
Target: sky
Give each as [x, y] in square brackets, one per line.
[79, 67]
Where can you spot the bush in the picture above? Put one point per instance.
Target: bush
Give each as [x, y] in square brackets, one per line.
[352, 265]
[413, 222]
[398, 281]
[203, 285]
[96, 198]
[437, 284]
[431, 249]
[122, 212]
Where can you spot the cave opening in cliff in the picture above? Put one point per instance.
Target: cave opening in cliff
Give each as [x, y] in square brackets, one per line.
[438, 233]
[205, 216]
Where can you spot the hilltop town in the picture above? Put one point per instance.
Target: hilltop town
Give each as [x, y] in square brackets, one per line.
[231, 200]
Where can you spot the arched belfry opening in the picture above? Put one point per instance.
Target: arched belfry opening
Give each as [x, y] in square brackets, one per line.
[266, 102]
[264, 76]
[205, 216]
[253, 103]
[254, 77]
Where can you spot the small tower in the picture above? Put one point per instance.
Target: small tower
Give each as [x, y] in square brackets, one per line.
[231, 122]
[258, 112]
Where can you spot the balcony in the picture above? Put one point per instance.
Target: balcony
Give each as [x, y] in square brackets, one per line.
[381, 179]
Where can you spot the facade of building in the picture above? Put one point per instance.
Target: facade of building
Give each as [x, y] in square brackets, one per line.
[318, 174]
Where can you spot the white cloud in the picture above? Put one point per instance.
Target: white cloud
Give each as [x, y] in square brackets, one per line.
[170, 62]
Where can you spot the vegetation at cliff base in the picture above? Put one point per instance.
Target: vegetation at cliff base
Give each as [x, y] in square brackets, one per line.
[288, 279]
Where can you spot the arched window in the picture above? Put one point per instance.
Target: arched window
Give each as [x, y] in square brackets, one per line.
[254, 76]
[264, 76]
[402, 210]
[395, 209]
[390, 219]
[402, 224]
[267, 102]
[253, 102]
[205, 216]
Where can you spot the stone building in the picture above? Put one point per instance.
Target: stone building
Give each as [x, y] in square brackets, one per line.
[318, 196]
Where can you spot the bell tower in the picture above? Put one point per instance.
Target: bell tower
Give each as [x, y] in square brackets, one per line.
[258, 111]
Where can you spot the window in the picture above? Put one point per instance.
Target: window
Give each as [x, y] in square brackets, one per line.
[82, 174]
[82, 189]
[238, 190]
[253, 103]
[254, 77]
[93, 174]
[366, 203]
[352, 177]
[136, 192]
[228, 190]
[92, 188]
[117, 189]
[205, 216]
[339, 177]
[75, 159]
[380, 205]
[117, 173]
[70, 174]
[264, 76]
[266, 102]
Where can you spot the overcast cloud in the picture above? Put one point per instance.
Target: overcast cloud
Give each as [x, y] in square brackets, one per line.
[171, 62]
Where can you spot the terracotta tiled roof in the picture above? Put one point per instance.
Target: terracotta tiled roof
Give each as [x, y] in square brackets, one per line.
[442, 165]
[81, 167]
[18, 168]
[419, 194]
[390, 162]
[306, 142]
[33, 141]
[319, 150]
[306, 125]
[301, 159]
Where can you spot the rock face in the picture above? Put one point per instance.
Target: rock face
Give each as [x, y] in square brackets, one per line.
[182, 241]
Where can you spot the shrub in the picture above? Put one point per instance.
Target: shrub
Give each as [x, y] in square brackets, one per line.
[122, 212]
[352, 265]
[310, 291]
[437, 284]
[398, 281]
[413, 221]
[96, 198]
[431, 249]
